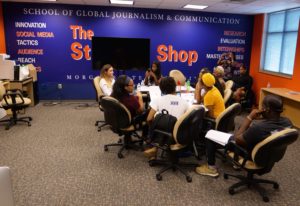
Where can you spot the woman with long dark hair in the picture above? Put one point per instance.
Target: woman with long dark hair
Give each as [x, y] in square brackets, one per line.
[153, 75]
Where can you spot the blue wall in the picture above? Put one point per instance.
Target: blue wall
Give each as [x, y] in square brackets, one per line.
[207, 34]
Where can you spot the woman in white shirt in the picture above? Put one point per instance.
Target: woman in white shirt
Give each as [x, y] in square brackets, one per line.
[107, 79]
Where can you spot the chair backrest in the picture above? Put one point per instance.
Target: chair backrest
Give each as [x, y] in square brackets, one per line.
[225, 121]
[115, 113]
[178, 76]
[227, 95]
[269, 151]
[188, 126]
[6, 194]
[99, 92]
[229, 84]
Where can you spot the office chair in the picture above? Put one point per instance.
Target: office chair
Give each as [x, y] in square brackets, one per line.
[186, 129]
[99, 95]
[178, 76]
[120, 120]
[227, 95]
[229, 84]
[260, 161]
[223, 123]
[14, 100]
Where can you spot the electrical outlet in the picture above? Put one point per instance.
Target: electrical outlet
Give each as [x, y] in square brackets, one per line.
[59, 86]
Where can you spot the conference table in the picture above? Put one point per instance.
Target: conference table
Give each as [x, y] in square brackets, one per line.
[154, 92]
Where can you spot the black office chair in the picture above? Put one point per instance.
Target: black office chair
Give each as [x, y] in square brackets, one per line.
[260, 161]
[119, 118]
[223, 123]
[99, 95]
[186, 129]
[14, 100]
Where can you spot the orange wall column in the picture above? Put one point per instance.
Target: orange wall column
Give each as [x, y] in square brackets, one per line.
[260, 79]
[2, 36]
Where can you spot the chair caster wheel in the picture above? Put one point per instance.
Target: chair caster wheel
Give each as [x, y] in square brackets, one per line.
[96, 124]
[189, 179]
[231, 191]
[158, 177]
[105, 148]
[120, 155]
[29, 124]
[6, 128]
[99, 129]
[120, 141]
[30, 119]
[266, 199]
[276, 186]
[225, 176]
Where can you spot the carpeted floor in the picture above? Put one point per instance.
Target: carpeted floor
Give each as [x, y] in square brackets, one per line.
[60, 161]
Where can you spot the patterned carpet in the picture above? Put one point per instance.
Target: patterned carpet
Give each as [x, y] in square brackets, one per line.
[60, 161]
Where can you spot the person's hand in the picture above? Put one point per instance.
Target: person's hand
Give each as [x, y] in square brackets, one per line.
[139, 94]
[147, 74]
[255, 113]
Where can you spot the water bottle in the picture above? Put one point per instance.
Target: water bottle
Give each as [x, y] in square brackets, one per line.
[138, 87]
[143, 83]
[188, 84]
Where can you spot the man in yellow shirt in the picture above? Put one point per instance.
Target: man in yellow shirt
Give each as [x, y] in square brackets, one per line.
[213, 99]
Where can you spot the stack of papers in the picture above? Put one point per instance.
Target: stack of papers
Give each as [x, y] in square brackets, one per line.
[218, 137]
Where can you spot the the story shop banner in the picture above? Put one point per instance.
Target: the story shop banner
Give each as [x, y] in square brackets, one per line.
[57, 39]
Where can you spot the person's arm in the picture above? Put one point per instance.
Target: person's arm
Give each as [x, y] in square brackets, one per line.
[150, 116]
[146, 77]
[154, 77]
[104, 87]
[197, 93]
[141, 103]
[210, 112]
[245, 125]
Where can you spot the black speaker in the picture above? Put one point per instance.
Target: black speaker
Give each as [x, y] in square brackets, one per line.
[16, 73]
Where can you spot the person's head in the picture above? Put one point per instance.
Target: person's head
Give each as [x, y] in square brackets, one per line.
[208, 80]
[243, 70]
[272, 106]
[219, 71]
[202, 71]
[167, 85]
[107, 71]
[155, 67]
[123, 85]
[231, 55]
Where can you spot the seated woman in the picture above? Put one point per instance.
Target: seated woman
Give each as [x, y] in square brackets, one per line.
[175, 105]
[123, 91]
[200, 91]
[153, 75]
[107, 79]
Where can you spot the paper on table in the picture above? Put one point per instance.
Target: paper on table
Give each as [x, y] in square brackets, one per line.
[218, 137]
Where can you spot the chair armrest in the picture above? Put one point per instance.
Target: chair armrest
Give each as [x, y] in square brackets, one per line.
[209, 123]
[238, 151]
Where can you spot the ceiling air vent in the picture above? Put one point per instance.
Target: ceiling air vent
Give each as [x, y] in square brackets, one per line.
[239, 1]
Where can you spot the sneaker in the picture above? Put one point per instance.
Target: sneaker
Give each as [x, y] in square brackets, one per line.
[205, 170]
[150, 152]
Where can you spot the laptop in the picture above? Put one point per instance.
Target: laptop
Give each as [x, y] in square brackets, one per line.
[6, 194]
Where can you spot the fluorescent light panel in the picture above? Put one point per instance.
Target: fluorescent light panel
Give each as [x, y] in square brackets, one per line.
[192, 6]
[48, 0]
[121, 2]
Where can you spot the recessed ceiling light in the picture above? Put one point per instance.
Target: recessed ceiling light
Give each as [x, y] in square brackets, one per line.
[191, 6]
[48, 0]
[121, 2]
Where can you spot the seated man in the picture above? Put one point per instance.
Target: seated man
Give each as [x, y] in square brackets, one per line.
[175, 105]
[250, 133]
